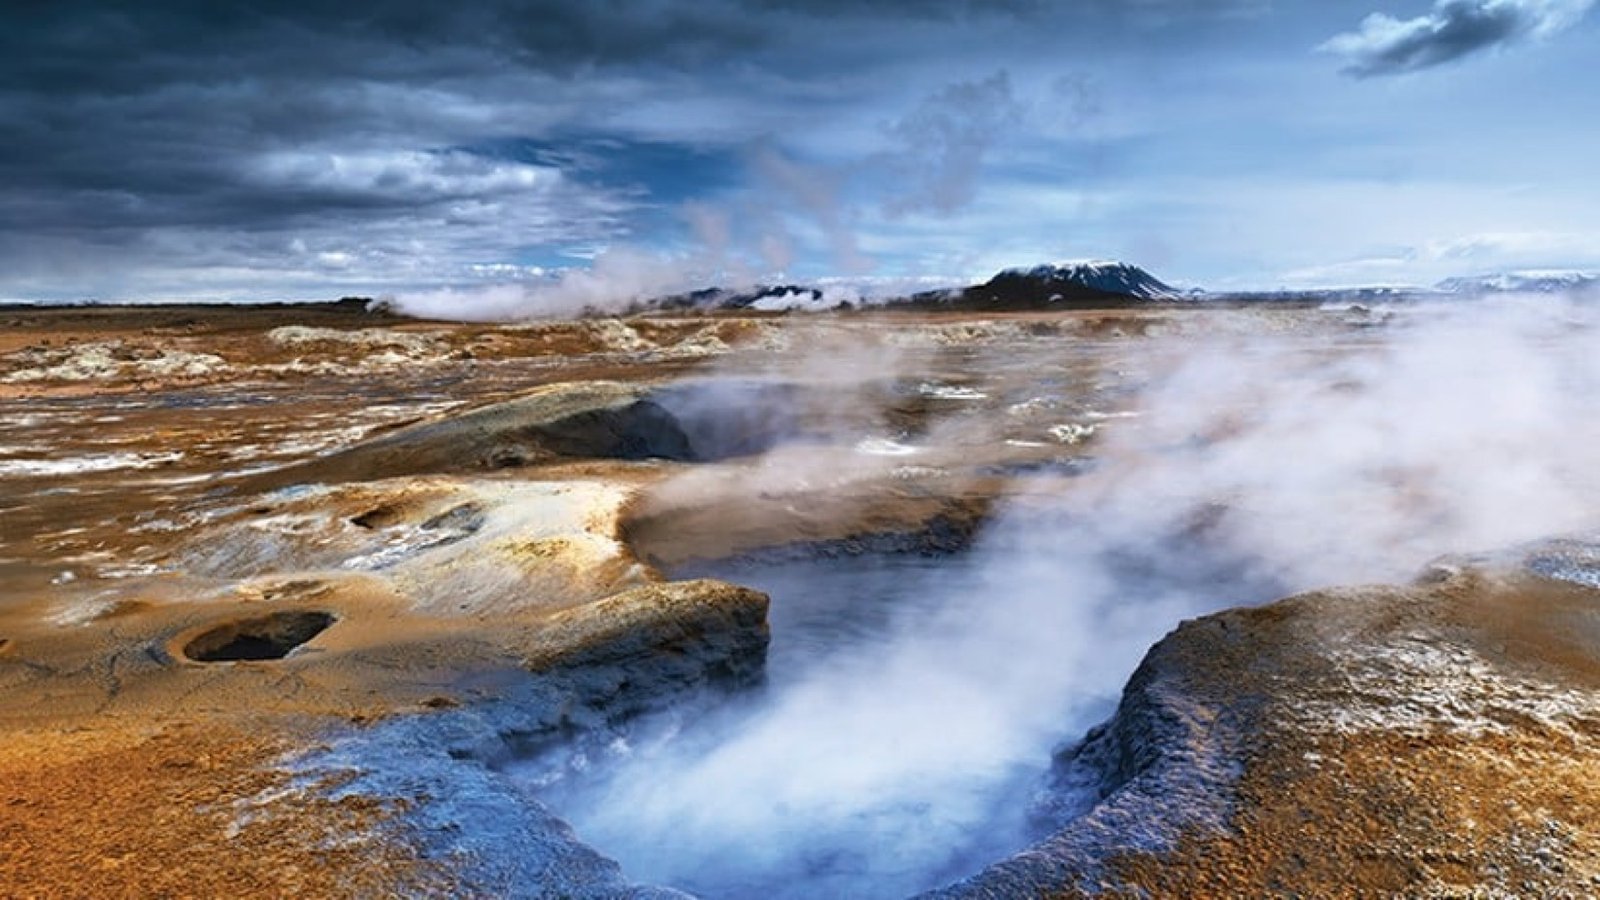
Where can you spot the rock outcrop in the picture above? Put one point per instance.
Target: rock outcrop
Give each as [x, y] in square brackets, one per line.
[590, 420]
[1434, 740]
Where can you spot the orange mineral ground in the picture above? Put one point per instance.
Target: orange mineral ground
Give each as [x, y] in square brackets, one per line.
[235, 538]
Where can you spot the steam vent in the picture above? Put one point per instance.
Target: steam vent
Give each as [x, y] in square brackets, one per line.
[756, 450]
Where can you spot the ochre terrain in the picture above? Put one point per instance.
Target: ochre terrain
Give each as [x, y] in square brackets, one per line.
[231, 533]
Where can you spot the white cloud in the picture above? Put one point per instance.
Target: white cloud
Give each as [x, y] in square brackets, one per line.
[1521, 248]
[1470, 254]
[405, 174]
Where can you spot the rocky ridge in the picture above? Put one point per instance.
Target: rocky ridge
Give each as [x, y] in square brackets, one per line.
[1311, 745]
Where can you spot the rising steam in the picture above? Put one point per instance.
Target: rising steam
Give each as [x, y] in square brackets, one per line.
[791, 207]
[1257, 467]
[616, 280]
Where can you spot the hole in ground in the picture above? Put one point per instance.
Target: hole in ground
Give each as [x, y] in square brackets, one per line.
[268, 637]
[377, 517]
[847, 774]
[913, 704]
[729, 418]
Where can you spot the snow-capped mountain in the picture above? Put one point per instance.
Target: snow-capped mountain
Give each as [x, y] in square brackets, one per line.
[1088, 283]
[1526, 282]
[1106, 276]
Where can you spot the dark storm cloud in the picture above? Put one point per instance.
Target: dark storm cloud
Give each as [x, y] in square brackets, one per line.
[71, 45]
[321, 140]
[296, 140]
[1453, 29]
[127, 47]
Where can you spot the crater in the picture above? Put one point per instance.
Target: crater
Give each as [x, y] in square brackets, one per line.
[848, 765]
[733, 417]
[671, 795]
[730, 418]
[466, 518]
[267, 637]
[377, 517]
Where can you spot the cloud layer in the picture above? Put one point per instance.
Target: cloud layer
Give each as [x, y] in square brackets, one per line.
[183, 150]
[302, 150]
[1384, 45]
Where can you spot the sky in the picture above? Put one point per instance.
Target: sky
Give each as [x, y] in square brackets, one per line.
[304, 150]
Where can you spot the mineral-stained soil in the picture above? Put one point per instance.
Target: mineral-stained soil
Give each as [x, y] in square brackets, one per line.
[174, 636]
[185, 808]
[234, 537]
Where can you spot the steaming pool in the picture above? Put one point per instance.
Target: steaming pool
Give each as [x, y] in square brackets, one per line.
[903, 737]
[844, 774]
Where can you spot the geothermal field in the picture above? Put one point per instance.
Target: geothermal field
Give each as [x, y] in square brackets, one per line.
[734, 449]
[1161, 599]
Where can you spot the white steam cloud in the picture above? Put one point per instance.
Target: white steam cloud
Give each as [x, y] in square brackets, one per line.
[617, 280]
[792, 208]
[945, 141]
[1257, 467]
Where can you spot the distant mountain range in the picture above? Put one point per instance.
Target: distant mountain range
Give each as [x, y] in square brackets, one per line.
[1537, 282]
[764, 297]
[1086, 284]
[1568, 283]
[1091, 284]
[1083, 284]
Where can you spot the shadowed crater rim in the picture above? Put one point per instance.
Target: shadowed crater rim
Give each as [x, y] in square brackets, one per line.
[267, 637]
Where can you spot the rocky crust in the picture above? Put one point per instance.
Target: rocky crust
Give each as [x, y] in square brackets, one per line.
[1431, 741]
[300, 681]
[592, 420]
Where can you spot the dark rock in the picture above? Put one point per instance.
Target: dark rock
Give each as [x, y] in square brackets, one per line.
[590, 420]
[1326, 742]
[596, 665]
[1161, 767]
